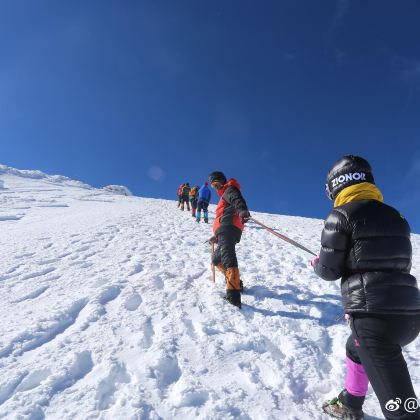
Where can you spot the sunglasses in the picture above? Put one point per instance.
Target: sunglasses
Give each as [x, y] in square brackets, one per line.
[216, 184]
[328, 192]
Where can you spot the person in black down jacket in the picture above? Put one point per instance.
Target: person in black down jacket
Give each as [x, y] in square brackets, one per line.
[367, 244]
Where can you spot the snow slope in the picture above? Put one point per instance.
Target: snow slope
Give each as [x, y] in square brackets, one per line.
[109, 312]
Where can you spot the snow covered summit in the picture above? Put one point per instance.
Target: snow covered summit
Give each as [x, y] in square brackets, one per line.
[109, 312]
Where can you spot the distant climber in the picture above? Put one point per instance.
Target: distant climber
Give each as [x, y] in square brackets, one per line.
[180, 194]
[204, 197]
[185, 196]
[194, 199]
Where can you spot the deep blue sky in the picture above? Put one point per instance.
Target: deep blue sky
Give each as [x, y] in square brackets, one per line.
[153, 93]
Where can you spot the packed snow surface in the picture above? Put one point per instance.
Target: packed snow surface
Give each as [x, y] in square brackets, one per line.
[108, 311]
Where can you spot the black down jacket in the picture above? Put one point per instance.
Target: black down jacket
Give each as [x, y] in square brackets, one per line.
[367, 244]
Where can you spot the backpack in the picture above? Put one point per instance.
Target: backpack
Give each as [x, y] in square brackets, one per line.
[194, 192]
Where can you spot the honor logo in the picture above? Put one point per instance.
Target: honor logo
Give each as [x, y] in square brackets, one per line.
[355, 176]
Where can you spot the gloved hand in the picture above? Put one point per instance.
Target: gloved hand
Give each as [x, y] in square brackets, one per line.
[314, 261]
[212, 240]
[244, 216]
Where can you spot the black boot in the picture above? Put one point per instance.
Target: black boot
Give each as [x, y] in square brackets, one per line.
[242, 285]
[234, 297]
[345, 406]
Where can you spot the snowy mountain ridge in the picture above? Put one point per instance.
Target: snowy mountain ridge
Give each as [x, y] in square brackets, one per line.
[36, 174]
[59, 179]
[109, 312]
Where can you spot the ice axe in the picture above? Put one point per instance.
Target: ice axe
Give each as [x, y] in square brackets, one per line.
[213, 270]
[285, 238]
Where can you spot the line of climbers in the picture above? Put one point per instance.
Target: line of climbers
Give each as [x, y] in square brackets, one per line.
[199, 197]
[367, 244]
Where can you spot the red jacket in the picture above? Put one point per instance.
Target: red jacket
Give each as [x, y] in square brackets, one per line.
[180, 189]
[230, 204]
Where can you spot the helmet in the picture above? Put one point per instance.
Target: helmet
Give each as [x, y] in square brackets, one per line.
[206, 183]
[217, 176]
[349, 170]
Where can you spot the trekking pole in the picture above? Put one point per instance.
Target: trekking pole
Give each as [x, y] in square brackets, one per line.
[213, 271]
[285, 238]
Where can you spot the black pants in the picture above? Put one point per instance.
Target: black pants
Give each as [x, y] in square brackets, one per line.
[225, 252]
[376, 343]
[193, 202]
[202, 205]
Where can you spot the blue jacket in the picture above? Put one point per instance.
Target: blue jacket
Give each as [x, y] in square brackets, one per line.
[204, 194]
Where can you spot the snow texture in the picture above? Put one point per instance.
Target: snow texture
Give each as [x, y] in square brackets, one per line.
[118, 189]
[109, 312]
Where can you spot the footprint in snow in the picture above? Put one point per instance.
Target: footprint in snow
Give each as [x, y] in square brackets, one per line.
[50, 261]
[158, 283]
[81, 365]
[83, 248]
[39, 273]
[108, 386]
[188, 395]
[25, 255]
[33, 295]
[138, 268]
[108, 294]
[5, 218]
[132, 302]
[148, 332]
[166, 371]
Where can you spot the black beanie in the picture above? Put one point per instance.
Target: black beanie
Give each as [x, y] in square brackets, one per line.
[217, 176]
[349, 170]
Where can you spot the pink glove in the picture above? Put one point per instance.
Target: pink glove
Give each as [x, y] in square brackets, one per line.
[314, 261]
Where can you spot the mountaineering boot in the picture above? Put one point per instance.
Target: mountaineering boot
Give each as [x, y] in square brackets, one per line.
[233, 285]
[206, 217]
[241, 286]
[345, 406]
[206, 220]
[233, 297]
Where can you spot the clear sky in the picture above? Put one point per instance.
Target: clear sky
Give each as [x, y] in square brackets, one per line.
[150, 94]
